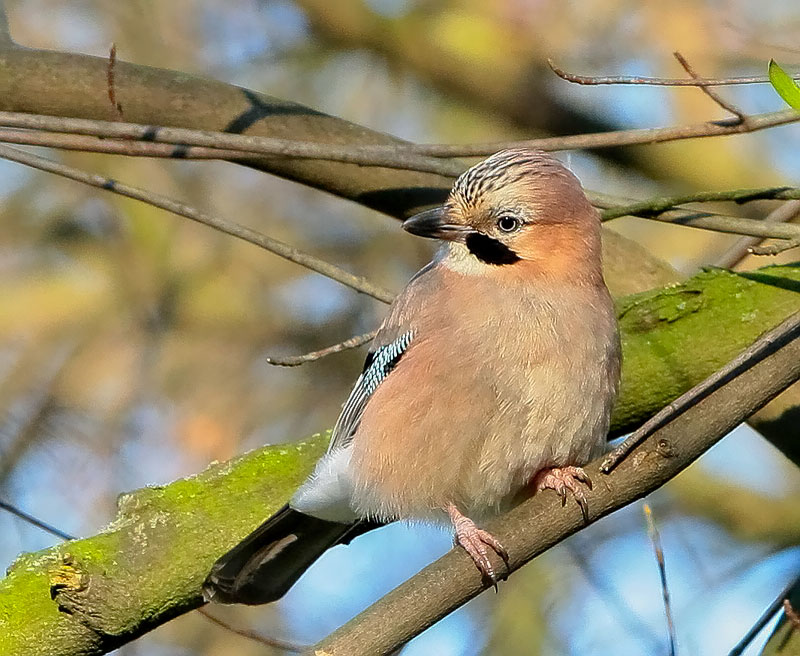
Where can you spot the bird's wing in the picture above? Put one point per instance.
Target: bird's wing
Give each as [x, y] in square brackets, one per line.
[384, 354]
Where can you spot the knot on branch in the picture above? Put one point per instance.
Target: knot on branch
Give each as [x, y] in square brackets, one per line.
[67, 579]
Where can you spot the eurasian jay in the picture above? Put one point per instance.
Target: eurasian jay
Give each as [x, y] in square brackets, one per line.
[493, 376]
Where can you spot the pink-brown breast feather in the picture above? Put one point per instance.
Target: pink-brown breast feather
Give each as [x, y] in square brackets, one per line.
[486, 394]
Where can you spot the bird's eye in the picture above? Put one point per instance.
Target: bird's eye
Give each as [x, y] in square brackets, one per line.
[508, 223]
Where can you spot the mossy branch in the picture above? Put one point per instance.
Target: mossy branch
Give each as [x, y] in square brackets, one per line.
[90, 596]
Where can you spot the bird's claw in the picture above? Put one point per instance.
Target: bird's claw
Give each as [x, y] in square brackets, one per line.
[477, 543]
[563, 480]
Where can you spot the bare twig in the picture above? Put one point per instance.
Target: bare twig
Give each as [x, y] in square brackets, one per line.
[399, 157]
[402, 156]
[661, 209]
[761, 348]
[534, 526]
[655, 540]
[656, 81]
[295, 360]
[252, 635]
[657, 205]
[111, 146]
[738, 251]
[643, 136]
[728, 107]
[38, 523]
[223, 225]
[762, 621]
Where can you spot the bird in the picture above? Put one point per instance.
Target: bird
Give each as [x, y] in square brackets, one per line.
[492, 378]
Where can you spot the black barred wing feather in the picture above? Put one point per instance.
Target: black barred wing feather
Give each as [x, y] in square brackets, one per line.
[378, 365]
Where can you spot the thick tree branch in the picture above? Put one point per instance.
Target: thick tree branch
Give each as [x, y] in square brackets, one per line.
[73, 85]
[539, 523]
[148, 565]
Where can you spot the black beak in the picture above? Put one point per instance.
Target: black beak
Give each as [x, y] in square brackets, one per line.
[431, 224]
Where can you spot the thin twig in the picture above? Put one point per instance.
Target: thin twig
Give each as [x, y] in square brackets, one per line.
[655, 540]
[404, 156]
[391, 157]
[252, 635]
[111, 146]
[660, 209]
[641, 136]
[763, 346]
[741, 249]
[746, 195]
[728, 107]
[762, 621]
[295, 360]
[34, 521]
[223, 225]
[656, 81]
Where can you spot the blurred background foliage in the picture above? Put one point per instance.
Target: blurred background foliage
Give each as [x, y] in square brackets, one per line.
[133, 343]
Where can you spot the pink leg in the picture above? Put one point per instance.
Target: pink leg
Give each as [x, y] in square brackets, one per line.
[477, 542]
[563, 480]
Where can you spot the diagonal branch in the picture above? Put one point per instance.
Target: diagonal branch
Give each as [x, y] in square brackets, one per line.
[540, 523]
[34, 521]
[295, 360]
[217, 223]
[728, 107]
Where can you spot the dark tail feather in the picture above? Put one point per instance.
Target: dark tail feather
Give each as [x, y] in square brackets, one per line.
[263, 566]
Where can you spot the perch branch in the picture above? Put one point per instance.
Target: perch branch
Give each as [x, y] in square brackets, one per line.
[539, 523]
[753, 354]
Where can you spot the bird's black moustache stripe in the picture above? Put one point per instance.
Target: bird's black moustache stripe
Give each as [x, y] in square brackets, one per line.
[490, 250]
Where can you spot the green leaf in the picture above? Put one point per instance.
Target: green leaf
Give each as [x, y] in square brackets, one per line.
[784, 85]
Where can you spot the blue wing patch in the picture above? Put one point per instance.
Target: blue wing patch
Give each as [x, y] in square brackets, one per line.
[377, 367]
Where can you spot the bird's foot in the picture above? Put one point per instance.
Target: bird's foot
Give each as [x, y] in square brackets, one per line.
[477, 543]
[563, 480]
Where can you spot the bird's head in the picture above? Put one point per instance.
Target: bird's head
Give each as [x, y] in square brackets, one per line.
[518, 208]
